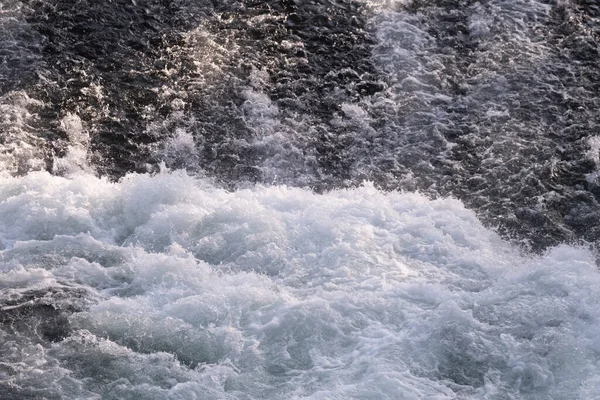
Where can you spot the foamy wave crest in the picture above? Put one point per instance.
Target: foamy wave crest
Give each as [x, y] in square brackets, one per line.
[167, 287]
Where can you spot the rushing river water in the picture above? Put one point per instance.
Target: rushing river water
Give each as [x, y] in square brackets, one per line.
[299, 199]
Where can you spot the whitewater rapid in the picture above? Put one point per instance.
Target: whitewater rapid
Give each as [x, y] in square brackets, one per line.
[289, 199]
[174, 288]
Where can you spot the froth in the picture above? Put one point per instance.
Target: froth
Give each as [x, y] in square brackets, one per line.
[272, 292]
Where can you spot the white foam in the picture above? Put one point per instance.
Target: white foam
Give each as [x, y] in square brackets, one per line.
[593, 154]
[275, 292]
[180, 149]
[76, 158]
[21, 149]
[279, 142]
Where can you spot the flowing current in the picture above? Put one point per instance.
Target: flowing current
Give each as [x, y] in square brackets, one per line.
[294, 199]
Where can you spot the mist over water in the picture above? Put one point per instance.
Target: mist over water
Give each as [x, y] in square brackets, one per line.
[299, 200]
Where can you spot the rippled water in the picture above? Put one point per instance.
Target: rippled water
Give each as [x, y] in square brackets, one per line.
[294, 199]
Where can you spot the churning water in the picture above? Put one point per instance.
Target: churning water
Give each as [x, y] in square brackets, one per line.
[293, 199]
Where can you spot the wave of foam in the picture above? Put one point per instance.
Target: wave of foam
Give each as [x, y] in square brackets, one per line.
[167, 287]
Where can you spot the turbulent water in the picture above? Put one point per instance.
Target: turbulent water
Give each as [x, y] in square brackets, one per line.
[293, 199]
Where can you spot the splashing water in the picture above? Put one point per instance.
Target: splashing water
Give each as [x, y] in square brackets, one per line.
[299, 200]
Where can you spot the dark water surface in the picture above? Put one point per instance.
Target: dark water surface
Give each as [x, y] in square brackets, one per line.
[491, 103]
